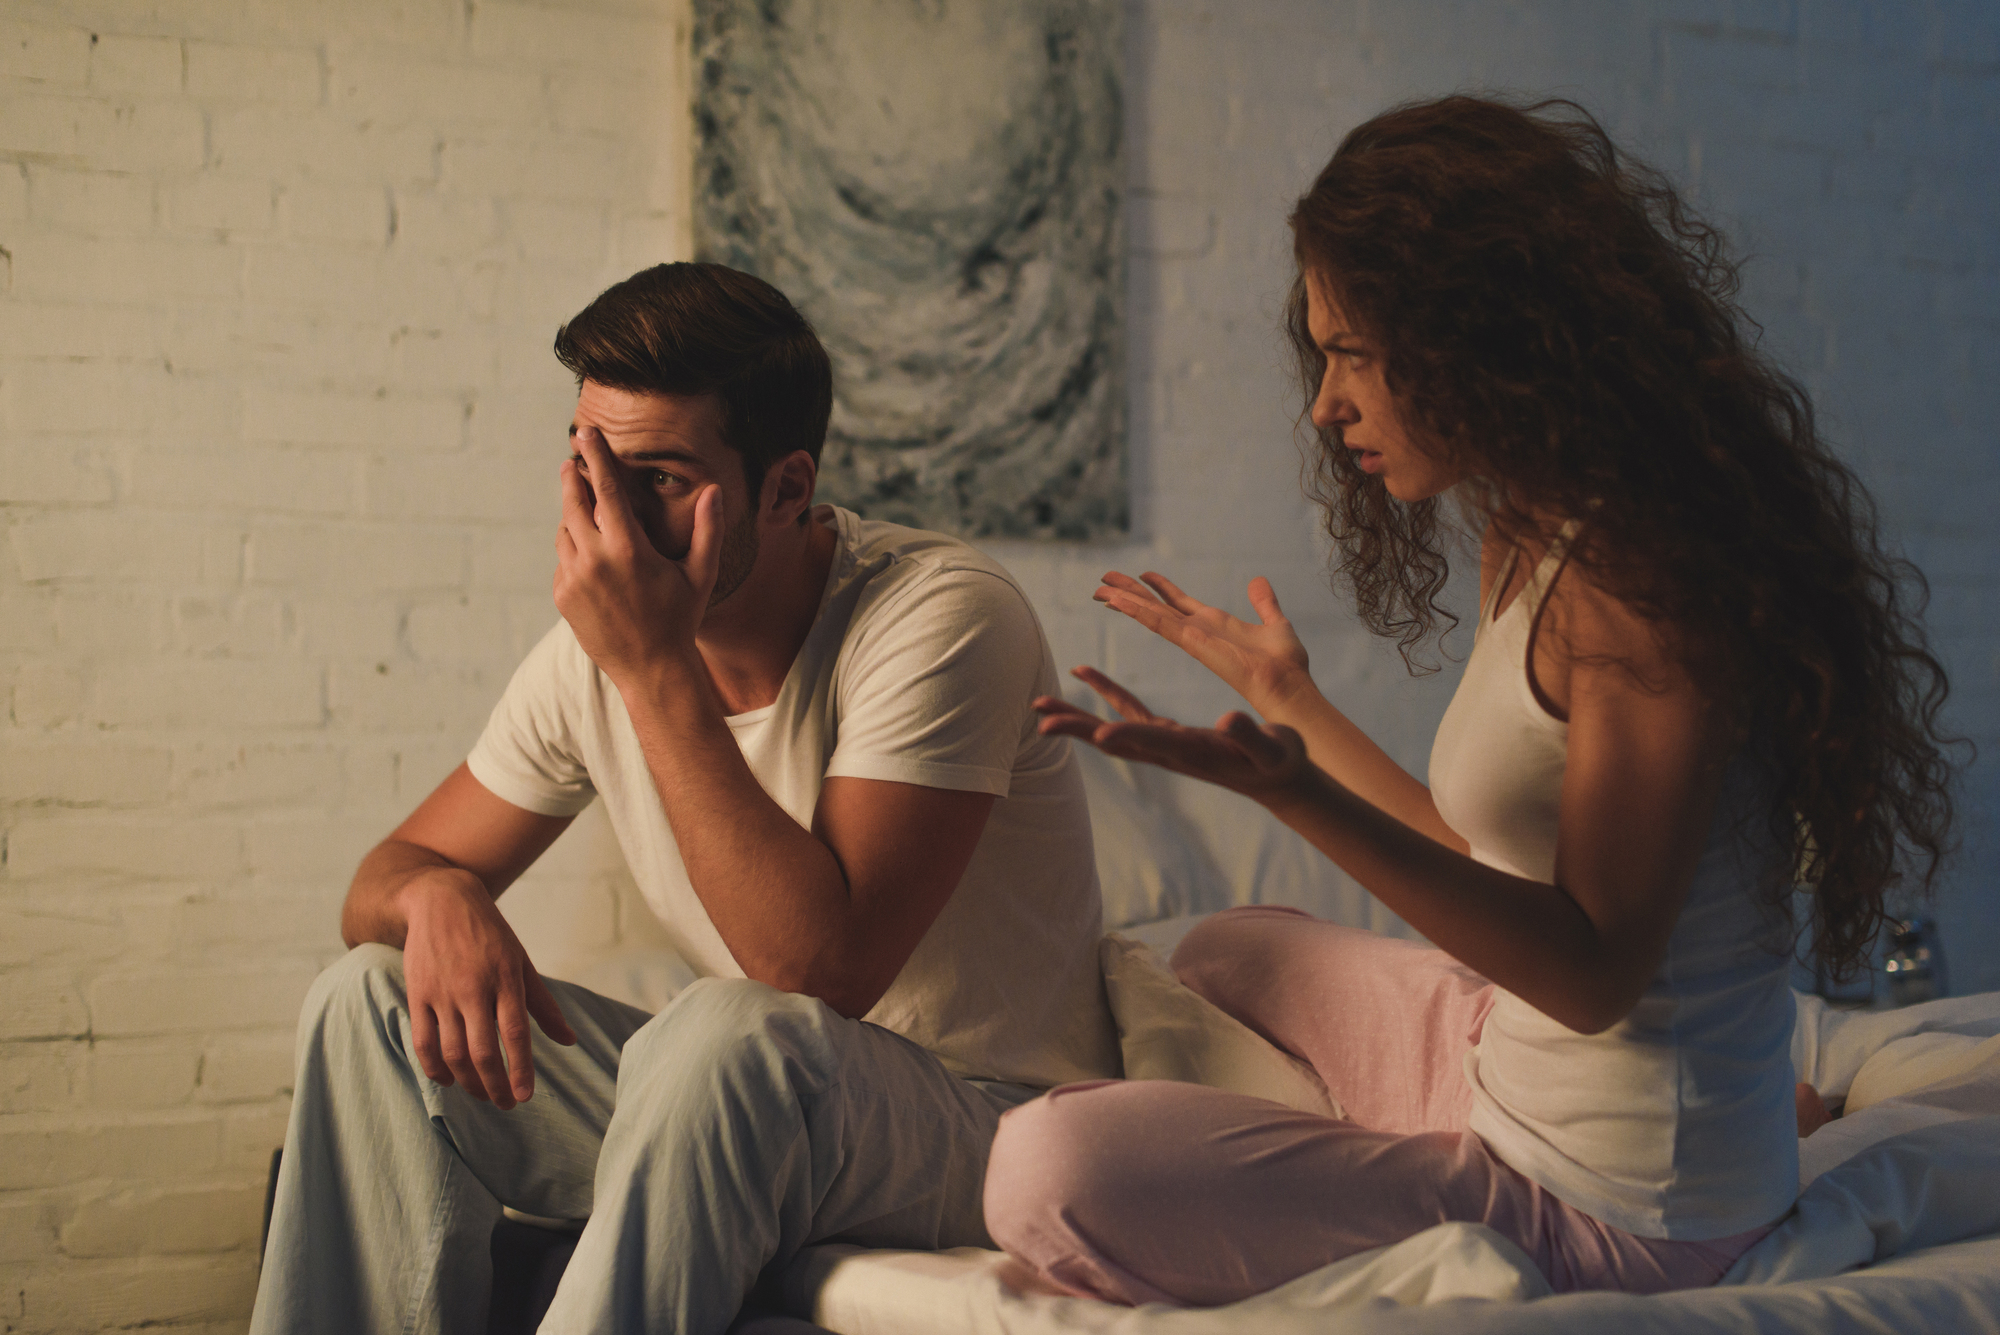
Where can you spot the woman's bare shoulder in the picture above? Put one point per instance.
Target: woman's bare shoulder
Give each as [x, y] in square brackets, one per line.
[1593, 639]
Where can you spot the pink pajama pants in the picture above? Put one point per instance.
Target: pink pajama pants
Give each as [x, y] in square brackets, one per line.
[1152, 1191]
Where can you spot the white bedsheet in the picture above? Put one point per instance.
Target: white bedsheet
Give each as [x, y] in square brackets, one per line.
[1448, 1281]
[1907, 1186]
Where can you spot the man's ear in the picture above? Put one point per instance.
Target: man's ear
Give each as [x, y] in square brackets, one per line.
[788, 489]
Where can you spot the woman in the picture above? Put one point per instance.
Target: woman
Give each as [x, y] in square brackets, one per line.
[1694, 677]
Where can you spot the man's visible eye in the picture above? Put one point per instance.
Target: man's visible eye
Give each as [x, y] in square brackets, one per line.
[660, 477]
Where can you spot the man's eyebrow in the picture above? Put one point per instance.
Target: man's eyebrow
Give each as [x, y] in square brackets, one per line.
[653, 457]
[645, 456]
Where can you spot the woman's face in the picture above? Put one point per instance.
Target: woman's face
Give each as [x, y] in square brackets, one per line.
[1354, 398]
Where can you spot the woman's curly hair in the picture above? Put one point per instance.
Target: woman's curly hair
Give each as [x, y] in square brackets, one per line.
[1556, 322]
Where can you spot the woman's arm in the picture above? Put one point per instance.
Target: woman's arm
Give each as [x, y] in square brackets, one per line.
[1645, 756]
[1267, 665]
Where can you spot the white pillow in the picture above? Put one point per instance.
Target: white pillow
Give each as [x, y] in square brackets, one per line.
[1168, 1032]
[1151, 862]
[1908, 1064]
[1831, 1046]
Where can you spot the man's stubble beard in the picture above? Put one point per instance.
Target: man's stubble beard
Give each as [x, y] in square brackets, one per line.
[738, 558]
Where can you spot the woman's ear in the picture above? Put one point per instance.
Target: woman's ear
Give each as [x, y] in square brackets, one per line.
[788, 489]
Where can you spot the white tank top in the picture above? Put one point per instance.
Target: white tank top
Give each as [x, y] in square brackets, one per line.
[1678, 1121]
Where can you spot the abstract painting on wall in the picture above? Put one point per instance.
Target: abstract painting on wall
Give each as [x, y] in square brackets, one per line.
[936, 184]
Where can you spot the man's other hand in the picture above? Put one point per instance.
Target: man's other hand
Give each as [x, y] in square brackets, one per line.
[628, 604]
[472, 989]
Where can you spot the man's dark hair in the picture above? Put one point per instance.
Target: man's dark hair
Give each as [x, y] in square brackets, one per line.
[694, 329]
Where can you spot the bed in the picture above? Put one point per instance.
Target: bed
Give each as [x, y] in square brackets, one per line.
[1897, 1228]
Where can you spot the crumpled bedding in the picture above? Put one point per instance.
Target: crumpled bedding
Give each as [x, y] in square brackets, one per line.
[1450, 1280]
[1897, 1230]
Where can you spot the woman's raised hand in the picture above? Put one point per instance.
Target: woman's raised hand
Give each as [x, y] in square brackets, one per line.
[1238, 753]
[1263, 660]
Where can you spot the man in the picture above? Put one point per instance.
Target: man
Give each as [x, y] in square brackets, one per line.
[814, 739]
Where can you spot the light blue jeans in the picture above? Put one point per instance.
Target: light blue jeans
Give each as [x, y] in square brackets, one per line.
[704, 1144]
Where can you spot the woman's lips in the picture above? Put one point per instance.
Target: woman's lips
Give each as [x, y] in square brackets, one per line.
[1368, 461]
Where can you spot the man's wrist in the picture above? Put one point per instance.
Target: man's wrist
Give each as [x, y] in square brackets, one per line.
[672, 682]
[423, 885]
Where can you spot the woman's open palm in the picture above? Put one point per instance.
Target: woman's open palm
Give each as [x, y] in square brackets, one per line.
[1238, 753]
[1263, 661]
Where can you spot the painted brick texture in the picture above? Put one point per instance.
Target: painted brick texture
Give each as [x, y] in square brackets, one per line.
[277, 284]
[277, 287]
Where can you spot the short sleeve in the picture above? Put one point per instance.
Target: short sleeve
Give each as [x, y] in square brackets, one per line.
[529, 754]
[935, 686]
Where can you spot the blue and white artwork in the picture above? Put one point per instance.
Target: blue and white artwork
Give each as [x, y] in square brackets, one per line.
[936, 184]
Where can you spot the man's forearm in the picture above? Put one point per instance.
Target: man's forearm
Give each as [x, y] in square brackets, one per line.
[375, 909]
[775, 892]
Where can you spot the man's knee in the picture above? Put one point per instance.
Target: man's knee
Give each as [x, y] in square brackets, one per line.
[355, 989]
[736, 1028]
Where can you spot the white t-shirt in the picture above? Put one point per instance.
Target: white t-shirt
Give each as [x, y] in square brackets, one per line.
[918, 669]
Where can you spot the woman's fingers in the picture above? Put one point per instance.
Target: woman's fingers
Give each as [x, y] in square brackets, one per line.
[1145, 609]
[1061, 718]
[1124, 583]
[1197, 752]
[1083, 727]
[1150, 613]
[1127, 704]
[1237, 753]
[1257, 743]
[1265, 600]
[1170, 594]
[1122, 593]
[1152, 742]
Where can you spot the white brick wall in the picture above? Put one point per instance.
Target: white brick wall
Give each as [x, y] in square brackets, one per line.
[277, 486]
[280, 429]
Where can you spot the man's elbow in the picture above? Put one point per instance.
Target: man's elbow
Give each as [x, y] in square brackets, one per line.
[350, 933]
[845, 992]
[849, 998]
